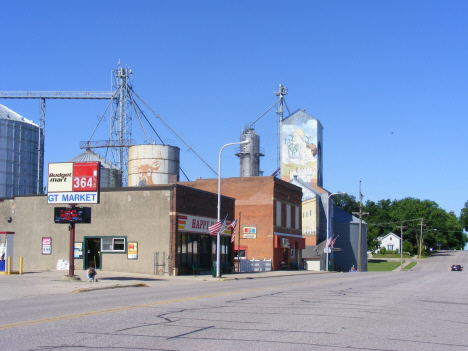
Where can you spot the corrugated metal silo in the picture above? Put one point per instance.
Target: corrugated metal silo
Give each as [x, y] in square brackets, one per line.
[18, 155]
[249, 154]
[153, 164]
[111, 176]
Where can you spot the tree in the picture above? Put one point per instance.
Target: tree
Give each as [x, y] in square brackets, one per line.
[407, 247]
[378, 214]
[346, 202]
[464, 217]
[387, 216]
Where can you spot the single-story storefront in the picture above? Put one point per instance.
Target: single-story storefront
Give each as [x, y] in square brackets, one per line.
[154, 230]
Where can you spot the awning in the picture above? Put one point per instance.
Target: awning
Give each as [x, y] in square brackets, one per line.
[236, 248]
[289, 242]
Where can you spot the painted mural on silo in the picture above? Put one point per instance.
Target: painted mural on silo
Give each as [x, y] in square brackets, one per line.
[153, 164]
[301, 148]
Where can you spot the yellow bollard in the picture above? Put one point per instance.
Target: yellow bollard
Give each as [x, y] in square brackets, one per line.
[9, 265]
[21, 265]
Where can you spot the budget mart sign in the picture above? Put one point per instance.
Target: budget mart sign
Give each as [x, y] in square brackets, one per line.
[73, 183]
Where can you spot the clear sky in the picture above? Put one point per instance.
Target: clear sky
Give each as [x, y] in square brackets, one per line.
[386, 79]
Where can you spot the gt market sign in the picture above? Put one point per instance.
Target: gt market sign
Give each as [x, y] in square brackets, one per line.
[73, 183]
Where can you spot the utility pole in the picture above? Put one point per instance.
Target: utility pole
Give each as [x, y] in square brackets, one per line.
[420, 240]
[360, 213]
[401, 246]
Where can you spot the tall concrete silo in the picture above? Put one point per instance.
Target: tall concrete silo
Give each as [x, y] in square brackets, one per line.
[153, 164]
[20, 173]
[111, 176]
[249, 154]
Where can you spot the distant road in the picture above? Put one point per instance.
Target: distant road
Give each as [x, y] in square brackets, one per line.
[442, 261]
[424, 309]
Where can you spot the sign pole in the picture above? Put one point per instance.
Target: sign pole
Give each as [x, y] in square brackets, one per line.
[71, 268]
[238, 243]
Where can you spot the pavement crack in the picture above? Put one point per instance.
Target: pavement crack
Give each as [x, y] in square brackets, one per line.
[192, 332]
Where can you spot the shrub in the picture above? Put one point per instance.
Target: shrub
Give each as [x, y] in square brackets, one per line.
[407, 247]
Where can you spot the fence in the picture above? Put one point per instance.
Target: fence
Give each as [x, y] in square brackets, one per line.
[159, 268]
[254, 265]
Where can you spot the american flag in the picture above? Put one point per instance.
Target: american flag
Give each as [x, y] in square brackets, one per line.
[333, 242]
[233, 226]
[216, 228]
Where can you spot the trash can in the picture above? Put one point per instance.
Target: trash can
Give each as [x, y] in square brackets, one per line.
[213, 270]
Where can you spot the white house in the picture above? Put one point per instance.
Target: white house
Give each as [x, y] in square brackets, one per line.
[391, 242]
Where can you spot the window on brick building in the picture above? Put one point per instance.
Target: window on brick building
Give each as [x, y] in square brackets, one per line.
[278, 214]
[288, 216]
[296, 226]
[240, 253]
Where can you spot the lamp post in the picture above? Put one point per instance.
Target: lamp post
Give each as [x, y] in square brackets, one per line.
[218, 236]
[328, 223]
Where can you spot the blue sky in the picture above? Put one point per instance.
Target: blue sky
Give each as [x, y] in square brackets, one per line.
[387, 80]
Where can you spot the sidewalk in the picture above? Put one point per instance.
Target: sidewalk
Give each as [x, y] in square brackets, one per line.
[40, 283]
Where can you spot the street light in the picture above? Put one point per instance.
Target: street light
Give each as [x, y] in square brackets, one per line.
[218, 236]
[328, 222]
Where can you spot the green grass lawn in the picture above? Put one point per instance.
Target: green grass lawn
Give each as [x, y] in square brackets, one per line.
[411, 265]
[391, 255]
[382, 266]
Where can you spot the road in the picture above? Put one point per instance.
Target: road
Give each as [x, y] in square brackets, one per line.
[424, 309]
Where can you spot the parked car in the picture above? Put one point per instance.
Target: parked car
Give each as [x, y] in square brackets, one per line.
[456, 267]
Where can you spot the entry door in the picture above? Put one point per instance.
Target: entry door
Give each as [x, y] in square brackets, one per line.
[205, 251]
[93, 253]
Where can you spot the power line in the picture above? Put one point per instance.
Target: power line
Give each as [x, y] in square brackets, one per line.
[408, 220]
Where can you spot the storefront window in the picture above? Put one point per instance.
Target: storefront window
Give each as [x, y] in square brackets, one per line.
[187, 249]
[109, 244]
[225, 244]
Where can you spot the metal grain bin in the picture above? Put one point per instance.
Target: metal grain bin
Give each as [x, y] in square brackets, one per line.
[153, 164]
[19, 155]
[111, 176]
[249, 154]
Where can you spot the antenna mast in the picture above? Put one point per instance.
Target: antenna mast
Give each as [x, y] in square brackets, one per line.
[282, 91]
[121, 120]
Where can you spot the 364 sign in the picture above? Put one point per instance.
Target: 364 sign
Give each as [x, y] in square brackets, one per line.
[85, 177]
[73, 183]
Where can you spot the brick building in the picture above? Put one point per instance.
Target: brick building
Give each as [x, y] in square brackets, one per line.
[160, 229]
[270, 223]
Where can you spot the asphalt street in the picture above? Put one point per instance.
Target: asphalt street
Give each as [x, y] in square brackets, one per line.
[417, 310]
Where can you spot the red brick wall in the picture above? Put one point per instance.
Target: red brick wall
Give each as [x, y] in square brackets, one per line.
[255, 200]
[197, 203]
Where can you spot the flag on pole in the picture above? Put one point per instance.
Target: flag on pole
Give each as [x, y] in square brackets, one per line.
[333, 242]
[233, 226]
[328, 242]
[217, 227]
